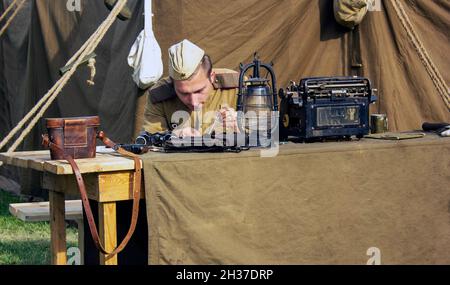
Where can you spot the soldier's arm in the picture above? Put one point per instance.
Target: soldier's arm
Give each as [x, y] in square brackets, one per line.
[154, 117]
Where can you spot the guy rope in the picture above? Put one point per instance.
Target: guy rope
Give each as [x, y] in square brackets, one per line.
[19, 7]
[424, 56]
[88, 47]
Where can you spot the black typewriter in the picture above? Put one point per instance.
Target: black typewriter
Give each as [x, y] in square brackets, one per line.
[326, 107]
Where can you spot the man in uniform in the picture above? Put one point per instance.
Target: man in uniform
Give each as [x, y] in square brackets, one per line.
[194, 100]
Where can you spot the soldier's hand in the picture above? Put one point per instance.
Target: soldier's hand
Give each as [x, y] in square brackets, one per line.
[229, 118]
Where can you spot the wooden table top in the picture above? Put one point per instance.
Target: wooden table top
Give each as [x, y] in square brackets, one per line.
[106, 161]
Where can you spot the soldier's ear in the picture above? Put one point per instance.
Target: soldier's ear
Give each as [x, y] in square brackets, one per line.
[212, 77]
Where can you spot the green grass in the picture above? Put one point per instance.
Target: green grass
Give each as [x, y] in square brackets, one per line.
[25, 243]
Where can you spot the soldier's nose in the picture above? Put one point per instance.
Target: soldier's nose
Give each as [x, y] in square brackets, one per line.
[194, 101]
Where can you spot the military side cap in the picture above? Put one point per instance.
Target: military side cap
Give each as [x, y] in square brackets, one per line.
[184, 58]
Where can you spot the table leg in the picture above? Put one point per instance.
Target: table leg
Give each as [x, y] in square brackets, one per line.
[80, 224]
[108, 231]
[58, 228]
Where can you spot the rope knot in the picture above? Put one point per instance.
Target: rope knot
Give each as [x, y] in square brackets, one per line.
[91, 65]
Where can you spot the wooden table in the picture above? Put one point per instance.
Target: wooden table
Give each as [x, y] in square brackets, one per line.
[108, 177]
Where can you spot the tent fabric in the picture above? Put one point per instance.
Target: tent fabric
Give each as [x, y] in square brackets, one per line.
[13, 45]
[38, 44]
[301, 38]
[311, 204]
[55, 35]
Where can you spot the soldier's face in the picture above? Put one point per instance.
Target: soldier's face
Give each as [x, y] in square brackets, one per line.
[195, 91]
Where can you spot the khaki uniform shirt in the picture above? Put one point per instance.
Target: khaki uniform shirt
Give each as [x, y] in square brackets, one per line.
[165, 112]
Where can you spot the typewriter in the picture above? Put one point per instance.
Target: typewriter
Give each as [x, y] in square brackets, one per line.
[326, 107]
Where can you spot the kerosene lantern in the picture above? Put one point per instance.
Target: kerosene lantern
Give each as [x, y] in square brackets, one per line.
[257, 104]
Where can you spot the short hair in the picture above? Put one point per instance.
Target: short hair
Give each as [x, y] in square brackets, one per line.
[205, 64]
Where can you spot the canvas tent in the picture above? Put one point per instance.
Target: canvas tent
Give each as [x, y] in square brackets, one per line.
[301, 38]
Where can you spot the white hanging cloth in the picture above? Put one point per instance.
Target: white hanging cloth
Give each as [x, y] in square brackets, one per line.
[145, 54]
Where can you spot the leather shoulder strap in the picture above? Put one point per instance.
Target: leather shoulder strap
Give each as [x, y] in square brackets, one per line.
[226, 78]
[84, 197]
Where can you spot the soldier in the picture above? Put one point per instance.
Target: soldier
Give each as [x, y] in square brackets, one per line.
[195, 99]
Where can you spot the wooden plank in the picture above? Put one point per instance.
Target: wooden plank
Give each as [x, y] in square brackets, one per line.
[108, 231]
[117, 186]
[68, 185]
[80, 224]
[37, 162]
[38, 212]
[40, 160]
[26, 159]
[101, 187]
[57, 228]
[102, 163]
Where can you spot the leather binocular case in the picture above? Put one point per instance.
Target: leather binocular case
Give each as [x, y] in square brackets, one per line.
[75, 136]
[72, 138]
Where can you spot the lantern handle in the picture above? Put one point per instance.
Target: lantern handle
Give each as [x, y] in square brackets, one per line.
[244, 69]
[256, 64]
[274, 85]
